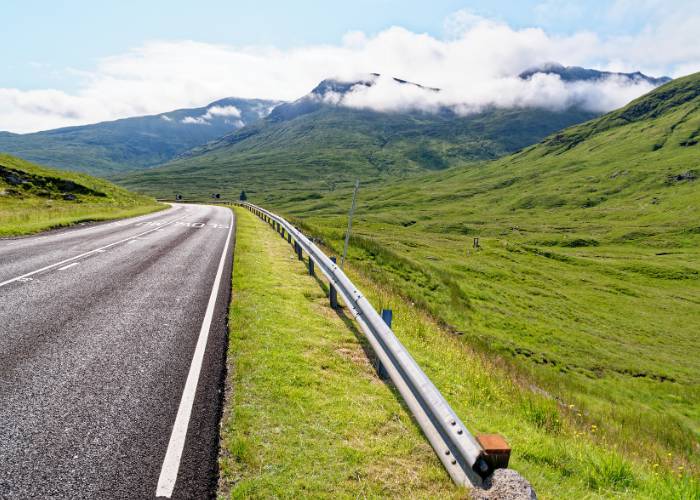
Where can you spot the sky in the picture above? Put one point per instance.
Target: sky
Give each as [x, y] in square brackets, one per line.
[73, 62]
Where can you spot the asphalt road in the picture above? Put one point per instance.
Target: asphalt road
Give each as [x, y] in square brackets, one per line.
[112, 347]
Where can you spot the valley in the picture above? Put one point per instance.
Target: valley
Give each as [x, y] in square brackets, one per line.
[543, 262]
[586, 274]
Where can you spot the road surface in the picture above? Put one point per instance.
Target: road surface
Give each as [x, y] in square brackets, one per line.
[112, 355]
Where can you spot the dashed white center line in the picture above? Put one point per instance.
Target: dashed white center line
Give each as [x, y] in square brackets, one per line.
[68, 266]
[76, 257]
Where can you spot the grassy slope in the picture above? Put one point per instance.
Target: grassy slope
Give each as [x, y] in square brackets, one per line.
[330, 147]
[588, 278]
[308, 417]
[37, 203]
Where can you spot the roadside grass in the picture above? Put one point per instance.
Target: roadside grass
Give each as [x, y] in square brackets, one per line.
[35, 202]
[306, 415]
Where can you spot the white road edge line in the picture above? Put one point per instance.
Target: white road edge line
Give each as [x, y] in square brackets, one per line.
[176, 445]
[97, 250]
[68, 266]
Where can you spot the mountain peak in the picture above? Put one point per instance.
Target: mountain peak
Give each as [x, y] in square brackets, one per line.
[331, 91]
[577, 73]
[344, 86]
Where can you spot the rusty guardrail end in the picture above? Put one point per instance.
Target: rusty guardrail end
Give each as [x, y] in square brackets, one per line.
[496, 450]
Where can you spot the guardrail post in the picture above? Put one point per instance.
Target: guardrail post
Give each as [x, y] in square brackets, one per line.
[289, 237]
[332, 292]
[311, 266]
[299, 251]
[387, 316]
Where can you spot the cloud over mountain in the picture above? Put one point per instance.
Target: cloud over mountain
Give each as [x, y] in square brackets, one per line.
[476, 64]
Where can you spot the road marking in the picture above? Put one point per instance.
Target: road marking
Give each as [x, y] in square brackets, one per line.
[65, 261]
[171, 462]
[68, 266]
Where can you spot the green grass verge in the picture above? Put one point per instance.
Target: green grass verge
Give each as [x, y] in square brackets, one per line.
[306, 415]
[33, 198]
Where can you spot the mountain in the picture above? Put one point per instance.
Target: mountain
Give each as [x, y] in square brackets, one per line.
[315, 143]
[577, 73]
[330, 91]
[587, 271]
[34, 198]
[134, 143]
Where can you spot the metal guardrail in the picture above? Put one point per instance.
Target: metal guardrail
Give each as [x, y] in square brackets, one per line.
[461, 454]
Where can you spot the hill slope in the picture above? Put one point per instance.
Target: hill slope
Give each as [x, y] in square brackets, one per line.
[134, 143]
[317, 144]
[34, 198]
[587, 274]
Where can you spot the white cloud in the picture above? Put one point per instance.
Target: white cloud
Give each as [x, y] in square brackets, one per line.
[475, 65]
[222, 111]
[195, 120]
[542, 91]
[166, 118]
[215, 111]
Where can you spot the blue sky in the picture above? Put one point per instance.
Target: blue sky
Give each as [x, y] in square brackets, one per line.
[49, 36]
[72, 62]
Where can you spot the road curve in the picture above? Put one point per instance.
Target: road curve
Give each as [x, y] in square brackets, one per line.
[109, 335]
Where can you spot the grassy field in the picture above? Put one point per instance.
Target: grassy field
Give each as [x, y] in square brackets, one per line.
[35, 198]
[587, 279]
[307, 416]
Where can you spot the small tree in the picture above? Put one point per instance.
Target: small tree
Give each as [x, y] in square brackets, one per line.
[243, 196]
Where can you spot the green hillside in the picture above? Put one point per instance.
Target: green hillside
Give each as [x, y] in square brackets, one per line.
[34, 198]
[133, 143]
[324, 147]
[587, 275]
